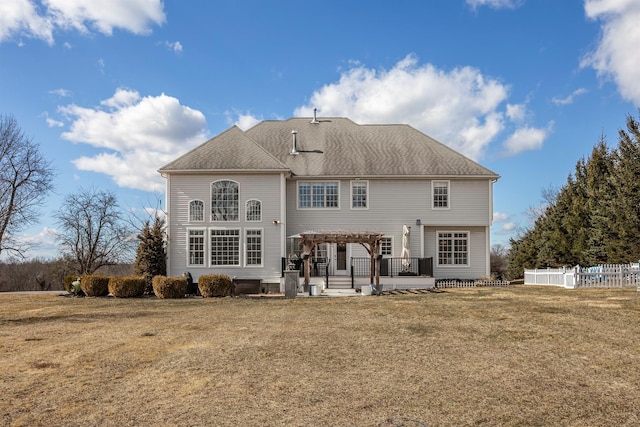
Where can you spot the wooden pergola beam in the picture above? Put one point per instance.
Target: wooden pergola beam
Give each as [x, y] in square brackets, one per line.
[370, 241]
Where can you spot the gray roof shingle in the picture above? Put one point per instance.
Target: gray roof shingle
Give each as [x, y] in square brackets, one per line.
[334, 147]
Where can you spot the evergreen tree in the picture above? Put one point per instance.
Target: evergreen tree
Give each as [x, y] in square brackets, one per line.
[627, 201]
[151, 259]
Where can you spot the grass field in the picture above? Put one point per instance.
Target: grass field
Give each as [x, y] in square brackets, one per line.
[518, 356]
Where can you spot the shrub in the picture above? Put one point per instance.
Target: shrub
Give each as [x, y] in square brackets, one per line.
[215, 285]
[127, 287]
[94, 285]
[169, 287]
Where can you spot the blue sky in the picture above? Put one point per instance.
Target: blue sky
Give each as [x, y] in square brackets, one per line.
[114, 90]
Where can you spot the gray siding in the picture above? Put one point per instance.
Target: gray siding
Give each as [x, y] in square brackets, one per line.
[264, 187]
[477, 267]
[394, 203]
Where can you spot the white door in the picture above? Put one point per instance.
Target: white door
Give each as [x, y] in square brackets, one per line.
[340, 259]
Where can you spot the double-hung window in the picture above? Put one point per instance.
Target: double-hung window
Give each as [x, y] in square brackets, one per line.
[440, 190]
[225, 247]
[224, 201]
[359, 194]
[196, 247]
[318, 195]
[453, 248]
[253, 247]
[386, 247]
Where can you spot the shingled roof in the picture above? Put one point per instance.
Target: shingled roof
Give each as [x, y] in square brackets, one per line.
[330, 147]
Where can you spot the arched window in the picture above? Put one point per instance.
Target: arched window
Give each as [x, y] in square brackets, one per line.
[196, 211]
[224, 201]
[254, 210]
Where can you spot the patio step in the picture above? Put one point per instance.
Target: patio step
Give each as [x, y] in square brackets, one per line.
[339, 282]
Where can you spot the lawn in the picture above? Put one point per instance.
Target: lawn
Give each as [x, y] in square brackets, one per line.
[517, 356]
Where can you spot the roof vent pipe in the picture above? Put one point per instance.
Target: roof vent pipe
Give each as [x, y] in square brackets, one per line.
[294, 146]
[315, 120]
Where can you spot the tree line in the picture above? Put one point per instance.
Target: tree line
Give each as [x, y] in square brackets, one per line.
[594, 218]
[93, 232]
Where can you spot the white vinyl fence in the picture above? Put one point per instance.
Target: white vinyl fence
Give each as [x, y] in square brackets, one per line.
[599, 276]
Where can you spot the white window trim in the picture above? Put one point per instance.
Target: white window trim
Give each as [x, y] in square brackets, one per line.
[240, 247]
[351, 195]
[218, 221]
[311, 208]
[246, 211]
[433, 195]
[204, 264]
[261, 265]
[468, 264]
[204, 211]
[391, 240]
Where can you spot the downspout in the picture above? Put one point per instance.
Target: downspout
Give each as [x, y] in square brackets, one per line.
[167, 220]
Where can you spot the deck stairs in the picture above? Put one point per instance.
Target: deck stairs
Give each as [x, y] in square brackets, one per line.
[339, 282]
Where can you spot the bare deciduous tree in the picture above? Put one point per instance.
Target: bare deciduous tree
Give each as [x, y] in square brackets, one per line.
[25, 179]
[93, 231]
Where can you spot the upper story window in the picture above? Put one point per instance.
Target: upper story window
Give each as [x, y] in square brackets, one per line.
[359, 194]
[440, 190]
[254, 210]
[318, 195]
[224, 201]
[196, 210]
[453, 248]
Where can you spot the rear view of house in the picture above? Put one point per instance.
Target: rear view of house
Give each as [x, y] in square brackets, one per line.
[239, 203]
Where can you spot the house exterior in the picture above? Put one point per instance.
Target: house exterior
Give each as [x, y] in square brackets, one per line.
[238, 203]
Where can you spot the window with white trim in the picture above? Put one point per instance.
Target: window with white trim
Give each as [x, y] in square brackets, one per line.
[453, 248]
[225, 247]
[253, 246]
[224, 201]
[318, 195]
[440, 191]
[386, 246]
[359, 194]
[196, 247]
[253, 210]
[196, 211]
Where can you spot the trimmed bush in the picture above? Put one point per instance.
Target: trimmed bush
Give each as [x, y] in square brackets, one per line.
[215, 285]
[94, 285]
[127, 287]
[169, 287]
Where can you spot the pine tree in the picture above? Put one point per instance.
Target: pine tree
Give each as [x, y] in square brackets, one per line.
[151, 257]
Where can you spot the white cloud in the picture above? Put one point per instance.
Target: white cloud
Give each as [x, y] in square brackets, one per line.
[500, 217]
[525, 139]
[508, 227]
[516, 112]
[569, 98]
[460, 107]
[39, 19]
[245, 121]
[20, 17]
[60, 92]
[495, 4]
[617, 55]
[173, 46]
[135, 135]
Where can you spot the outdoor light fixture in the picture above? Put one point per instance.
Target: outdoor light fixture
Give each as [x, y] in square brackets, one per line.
[418, 222]
[276, 221]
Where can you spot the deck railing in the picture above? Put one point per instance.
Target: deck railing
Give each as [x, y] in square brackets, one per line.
[391, 267]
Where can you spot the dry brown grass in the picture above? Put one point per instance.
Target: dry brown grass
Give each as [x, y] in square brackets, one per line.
[506, 356]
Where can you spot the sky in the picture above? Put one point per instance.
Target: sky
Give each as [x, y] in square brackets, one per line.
[112, 91]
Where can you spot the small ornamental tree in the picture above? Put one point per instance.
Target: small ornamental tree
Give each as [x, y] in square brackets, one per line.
[151, 257]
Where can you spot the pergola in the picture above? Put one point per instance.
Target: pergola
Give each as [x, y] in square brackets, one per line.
[370, 241]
